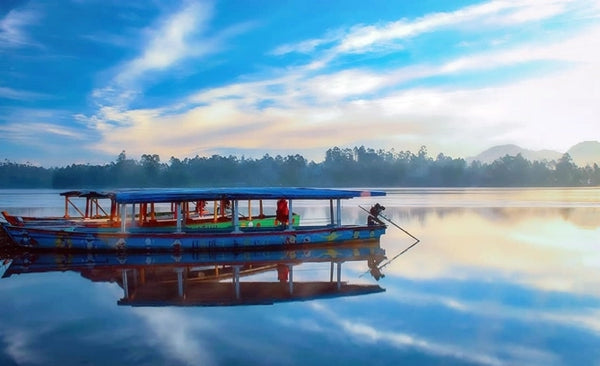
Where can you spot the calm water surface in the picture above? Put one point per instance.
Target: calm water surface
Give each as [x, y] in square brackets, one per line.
[500, 277]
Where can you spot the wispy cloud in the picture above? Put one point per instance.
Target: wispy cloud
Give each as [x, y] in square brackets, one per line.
[310, 45]
[584, 319]
[404, 340]
[377, 37]
[37, 132]
[177, 336]
[502, 351]
[367, 333]
[18, 346]
[172, 41]
[13, 28]
[285, 111]
[308, 107]
[10, 93]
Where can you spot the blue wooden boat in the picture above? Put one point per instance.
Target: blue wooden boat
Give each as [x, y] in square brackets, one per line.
[215, 278]
[132, 224]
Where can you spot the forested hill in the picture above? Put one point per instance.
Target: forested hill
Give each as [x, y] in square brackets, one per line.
[358, 167]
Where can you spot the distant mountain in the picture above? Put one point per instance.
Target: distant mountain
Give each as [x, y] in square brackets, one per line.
[500, 151]
[585, 153]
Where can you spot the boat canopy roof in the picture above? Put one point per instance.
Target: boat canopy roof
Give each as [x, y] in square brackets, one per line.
[87, 193]
[210, 194]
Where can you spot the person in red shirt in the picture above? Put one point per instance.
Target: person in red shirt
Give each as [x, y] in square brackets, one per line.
[282, 213]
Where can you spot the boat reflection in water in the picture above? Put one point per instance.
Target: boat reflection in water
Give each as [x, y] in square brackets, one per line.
[210, 278]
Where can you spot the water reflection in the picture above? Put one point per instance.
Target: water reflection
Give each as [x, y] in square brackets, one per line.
[548, 249]
[520, 282]
[210, 278]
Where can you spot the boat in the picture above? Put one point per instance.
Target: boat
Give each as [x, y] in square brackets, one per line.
[222, 278]
[99, 209]
[134, 223]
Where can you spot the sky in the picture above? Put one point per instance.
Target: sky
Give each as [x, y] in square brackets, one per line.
[83, 80]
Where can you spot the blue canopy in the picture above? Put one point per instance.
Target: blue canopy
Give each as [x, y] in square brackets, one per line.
[211, 194]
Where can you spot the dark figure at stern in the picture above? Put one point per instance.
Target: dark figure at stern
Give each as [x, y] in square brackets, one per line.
[374, 215]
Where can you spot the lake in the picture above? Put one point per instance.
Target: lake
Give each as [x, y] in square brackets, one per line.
[499, 277]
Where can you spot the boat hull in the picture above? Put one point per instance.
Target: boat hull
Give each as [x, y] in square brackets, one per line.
[76, 238]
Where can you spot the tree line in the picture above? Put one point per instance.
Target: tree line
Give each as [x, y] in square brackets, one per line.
[342, 167]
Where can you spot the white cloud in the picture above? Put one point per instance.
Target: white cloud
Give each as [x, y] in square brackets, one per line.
[404, 340]
[369, 38]
[37, 132]
[367, 333]
[346, 83]
[19, 347]
[536, 10]
[298, 109]
[169, 41]
[12, 28]
[172, 42]
[317, 107]
[10, 93]
[309, 45]
[584, 319]
[177, 335]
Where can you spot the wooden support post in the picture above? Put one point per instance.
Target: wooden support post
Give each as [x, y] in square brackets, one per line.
[179, 216]
[113, 211]
[74, 206]
[123, 209]
[235, 216]
[142, 213]
[125, 283]
[291, 278]
[249, 210]
[339, 212]
[142, 276]
[179, 282]
[339, 275]
[66, 207]
[236, 281]
[100, 209]
[331, 272]
[331, 212]
[135, 278]
[290, 216]
[215, 212]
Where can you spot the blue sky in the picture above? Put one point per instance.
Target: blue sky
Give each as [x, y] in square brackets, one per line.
[82, 80]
